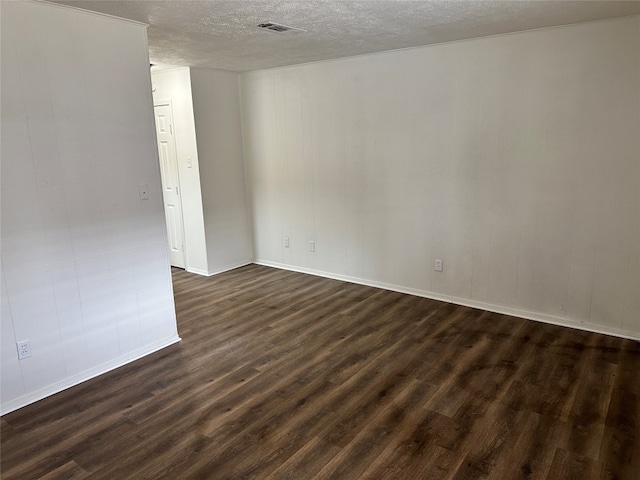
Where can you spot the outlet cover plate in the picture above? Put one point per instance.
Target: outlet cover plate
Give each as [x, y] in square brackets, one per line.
[24, 349]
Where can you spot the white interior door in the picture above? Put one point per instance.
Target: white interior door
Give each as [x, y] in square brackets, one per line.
[170, 183]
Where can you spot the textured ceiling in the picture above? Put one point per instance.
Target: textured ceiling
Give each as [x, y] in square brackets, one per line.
[223, 34]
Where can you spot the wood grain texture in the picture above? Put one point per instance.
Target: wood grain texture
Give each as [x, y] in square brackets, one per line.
[282, 375]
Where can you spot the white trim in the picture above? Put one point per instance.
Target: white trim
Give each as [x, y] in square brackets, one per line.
[197, 271]
[158, 68]
[165, 103]
[91, 12]
[515, 312]
[428, 45]
[172, 128]
[78, 378]
[232, 266]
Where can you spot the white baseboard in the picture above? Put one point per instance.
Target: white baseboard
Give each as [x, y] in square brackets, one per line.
[78, 378]
[220, 270]
[232, 266]
[515, 312]
[197, 271]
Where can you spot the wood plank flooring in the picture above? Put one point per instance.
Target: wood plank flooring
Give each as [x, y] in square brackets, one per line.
[282, 375]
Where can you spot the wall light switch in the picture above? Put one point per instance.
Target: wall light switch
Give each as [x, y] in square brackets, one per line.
[312, 246]
[143, 190]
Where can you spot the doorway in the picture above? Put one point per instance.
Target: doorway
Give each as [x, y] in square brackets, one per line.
[163, 113]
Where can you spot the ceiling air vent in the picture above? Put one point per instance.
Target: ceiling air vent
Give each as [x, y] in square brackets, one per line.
[279, 28]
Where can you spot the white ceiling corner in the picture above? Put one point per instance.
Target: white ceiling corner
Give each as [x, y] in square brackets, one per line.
[223, 34]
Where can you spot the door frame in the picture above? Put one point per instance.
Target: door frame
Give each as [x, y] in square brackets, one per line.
[169, 103]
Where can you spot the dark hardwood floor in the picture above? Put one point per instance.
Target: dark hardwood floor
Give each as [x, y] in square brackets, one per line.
[282, 375]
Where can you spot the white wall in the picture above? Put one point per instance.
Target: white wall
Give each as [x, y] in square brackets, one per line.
[206, 109]
[85, 268]
[175, 85]
[216, 106]
[515, 159]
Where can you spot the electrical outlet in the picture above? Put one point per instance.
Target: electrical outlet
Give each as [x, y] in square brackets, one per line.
[312, 245]
[438, 265]
[24, 349]
[285, 241]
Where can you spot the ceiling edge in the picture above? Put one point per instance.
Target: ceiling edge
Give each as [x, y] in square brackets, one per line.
[485, 37]
[88, 12]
